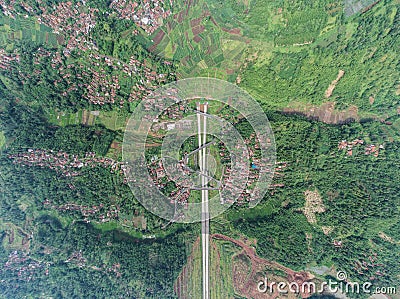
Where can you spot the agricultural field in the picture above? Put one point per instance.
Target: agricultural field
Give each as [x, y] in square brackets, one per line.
[16, 238]
[326, 73]
[114, 120]
[215, 37]
[26, 29]
[285, 54]
[65, 118]
[203, 48]
[285, 23]
[188, 283]
[235, 270]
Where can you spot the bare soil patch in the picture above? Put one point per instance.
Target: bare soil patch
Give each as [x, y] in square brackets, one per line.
[325, 113]
[235, 31]
[314, 204]
[327, 229]
[387, 238]
[248, 271]
[329, 91]
[197, 39]
[196, 22]
[198, 29]
[85, 117]
[398, 90]
[370, 7]
[371, 100]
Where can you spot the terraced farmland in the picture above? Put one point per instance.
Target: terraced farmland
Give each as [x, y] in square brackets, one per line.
[26, 29]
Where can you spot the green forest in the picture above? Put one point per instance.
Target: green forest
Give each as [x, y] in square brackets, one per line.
[360, 200]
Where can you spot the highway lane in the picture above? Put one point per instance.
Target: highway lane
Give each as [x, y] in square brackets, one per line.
[205, 224]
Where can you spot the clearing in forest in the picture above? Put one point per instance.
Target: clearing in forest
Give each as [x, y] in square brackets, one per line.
[314, 204]
[329, 91]
[325, 113]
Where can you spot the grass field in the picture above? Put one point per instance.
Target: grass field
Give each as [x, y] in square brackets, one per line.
[2, 140]
[221, 280]
[189, 282]
[113, 120]
[65, 118]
